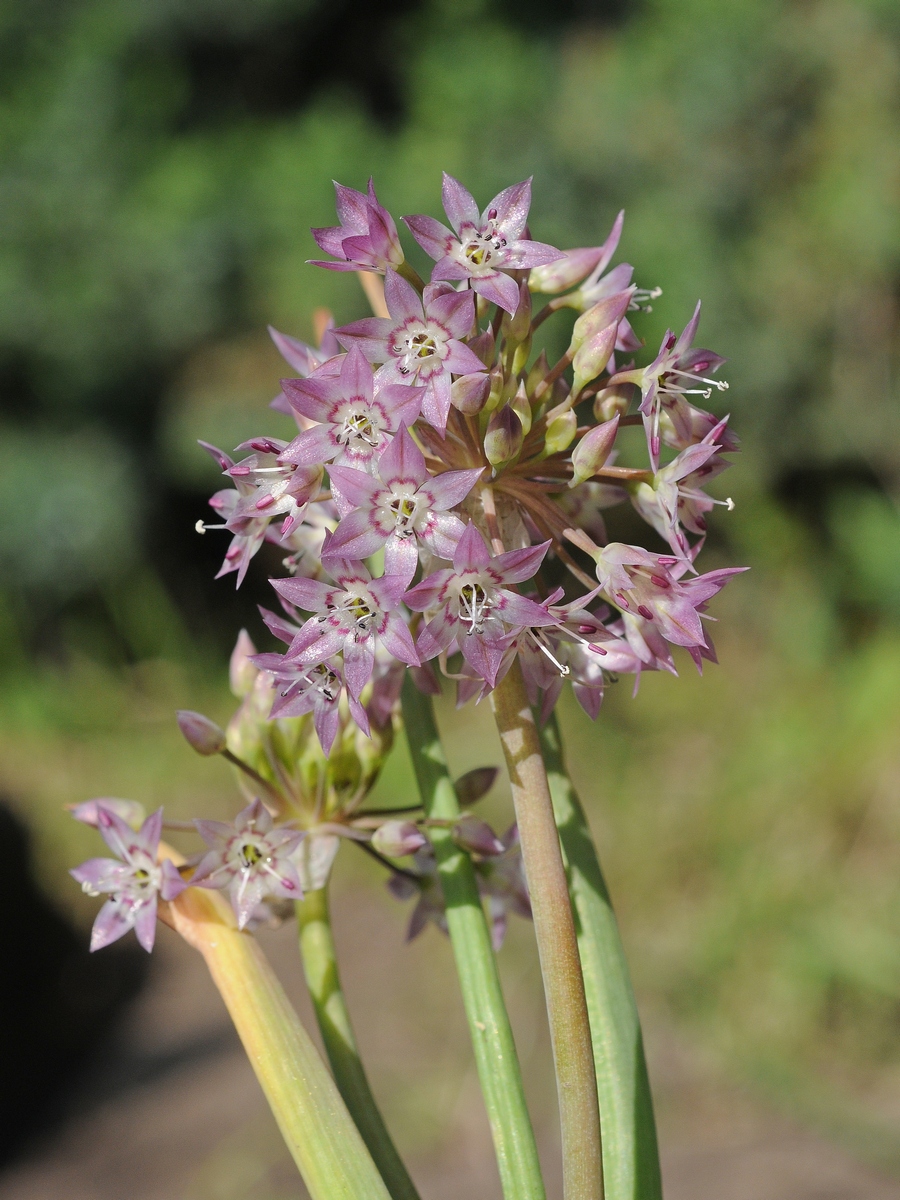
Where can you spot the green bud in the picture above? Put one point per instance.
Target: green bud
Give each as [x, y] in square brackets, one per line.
[591, 358]
[522, 408]
[560, 432]
[516, 328]
[539, 371]
[593, 450]
[613, 401]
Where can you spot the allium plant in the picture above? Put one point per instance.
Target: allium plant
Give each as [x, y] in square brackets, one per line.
[441, 516]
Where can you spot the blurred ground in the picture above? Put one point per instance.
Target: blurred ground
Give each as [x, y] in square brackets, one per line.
[174, 1112]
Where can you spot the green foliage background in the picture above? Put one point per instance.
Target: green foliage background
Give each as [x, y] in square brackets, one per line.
[161, 166]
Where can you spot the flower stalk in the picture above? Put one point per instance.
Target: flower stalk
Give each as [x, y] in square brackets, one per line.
[492, 1038]
[312, 1117]
[631, 1155]
[554, 928]
[317, 951]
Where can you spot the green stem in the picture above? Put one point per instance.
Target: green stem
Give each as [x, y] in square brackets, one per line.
[311, 1115]
[320, 968]
[630, 1152]
[411, 275]
[492, 1039]
[554, 928]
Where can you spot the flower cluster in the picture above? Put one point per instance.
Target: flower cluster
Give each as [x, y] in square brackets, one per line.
[441, 509]
[428, 434]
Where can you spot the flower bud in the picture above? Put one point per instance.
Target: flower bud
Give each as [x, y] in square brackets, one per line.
[474, 784]
[560, 432]
[517, 327]
[593, 450]
[592, 357]
[482, 346]
[565, 272]
[475, 835]
[522, 408]
[613, 401]
[396, 839]
[608, 311]
[241, 671]
[498, 386]
[540, 369]
[200, 732]
[503, 437]
[131, 812]
[469, 393]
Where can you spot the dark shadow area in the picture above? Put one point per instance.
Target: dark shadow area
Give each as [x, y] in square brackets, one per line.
[59, 1004]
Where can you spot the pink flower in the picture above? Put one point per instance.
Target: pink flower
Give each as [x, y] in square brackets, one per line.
[397, 506]
[355, 413]
[249, 859]
[475, 608]
[480, 248]
[134, 880]
[365, 240]
[639, 582]
[673, 375]
[302, 688]
[419, 341]
[351, 617]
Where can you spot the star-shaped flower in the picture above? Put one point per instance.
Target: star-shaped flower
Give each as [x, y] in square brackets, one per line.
[365, 240]
[356, 413]
[672, 376]
[481, 247]
[475, 608]
[134, 880]
[350, 616]
[419, 341]
[250, 859]
[398, 505]
[644, 583]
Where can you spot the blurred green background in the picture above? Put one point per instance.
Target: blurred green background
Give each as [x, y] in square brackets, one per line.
[161, 165]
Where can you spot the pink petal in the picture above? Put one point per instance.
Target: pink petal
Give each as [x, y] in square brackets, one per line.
[313, 446]
[296, 353]
[111, 923]
[359, 662]
[434, 238]
[308, 594]
[398, 641]
[515, 566]
[403, 461]
[459, 204]
[455, 311]
[498, 289]
[401, 557]
[461, 360]
[451, 487]
[402, 299]
[357, 487]
[370, 335]
[511, 209]
[472, 553]
[356, 375]
[426, 593]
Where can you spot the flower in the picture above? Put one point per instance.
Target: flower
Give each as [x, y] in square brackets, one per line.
[134, 880]
[250, 859]
[400, 503]
[642, 583]
[355, 413]
[365, 240]
[481, 248]
[475, 608]
[669, 378]
[302, 688]
[675, 497]
[350, 618]
[419, 341]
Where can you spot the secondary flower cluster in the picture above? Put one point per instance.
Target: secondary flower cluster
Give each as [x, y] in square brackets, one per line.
[302, 803]
[431, 444]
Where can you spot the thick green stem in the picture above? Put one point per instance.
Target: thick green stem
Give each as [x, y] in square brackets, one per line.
[630, 1152]
[320, 967]
[492, 1039]
[311, 1115]
[554, 929]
